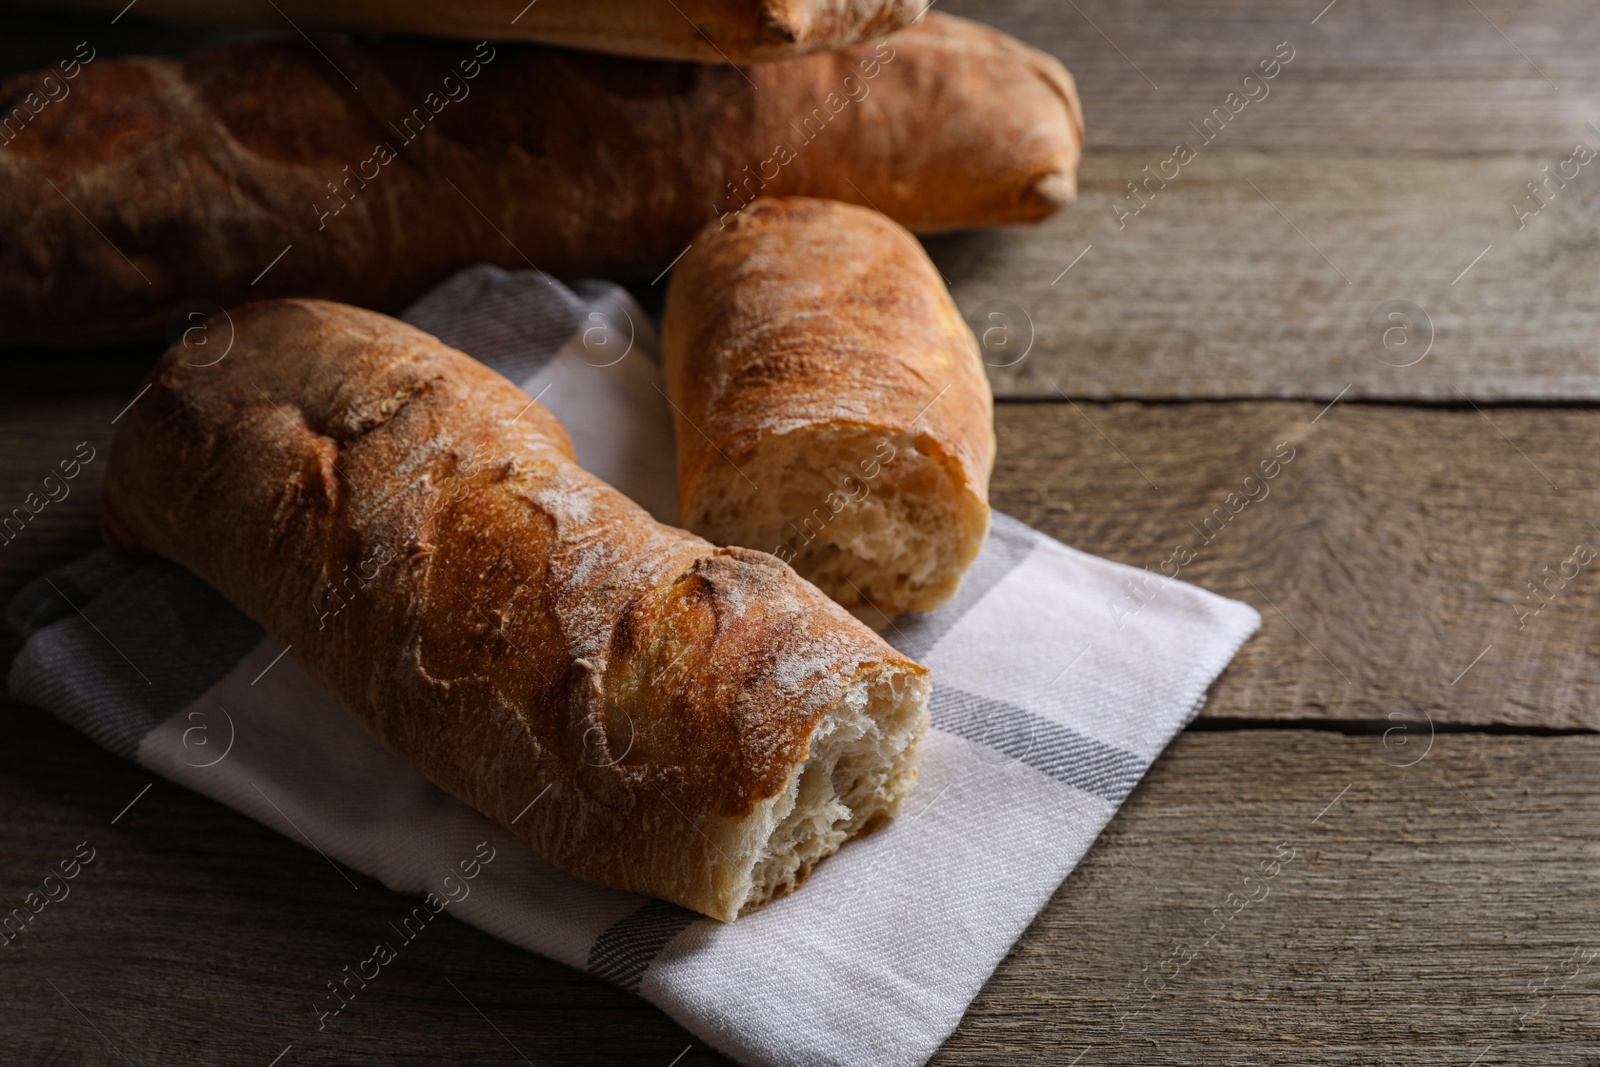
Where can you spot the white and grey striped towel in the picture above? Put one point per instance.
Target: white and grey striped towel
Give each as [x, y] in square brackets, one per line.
[1046, 709]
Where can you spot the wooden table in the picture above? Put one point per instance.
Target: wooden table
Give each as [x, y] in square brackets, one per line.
[1405, 720]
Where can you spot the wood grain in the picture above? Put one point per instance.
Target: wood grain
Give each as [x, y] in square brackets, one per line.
[1384, 558]
[1220, 289]
[1385, 158]
[1420, 906]
[1371, 76]
[1408, 927]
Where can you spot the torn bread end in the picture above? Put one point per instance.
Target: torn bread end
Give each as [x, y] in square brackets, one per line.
[860, 766]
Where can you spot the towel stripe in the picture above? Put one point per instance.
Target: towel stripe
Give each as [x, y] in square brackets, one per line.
[622, 953]
[625, 951]
[156, 637]
[1062, 753]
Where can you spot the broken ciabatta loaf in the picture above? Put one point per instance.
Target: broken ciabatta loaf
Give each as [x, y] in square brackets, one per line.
[257, 170]
[708, 31]
[831, 404]
[707, 725]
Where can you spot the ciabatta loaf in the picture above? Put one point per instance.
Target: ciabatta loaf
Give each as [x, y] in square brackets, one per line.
[695, 723]
[259, 170]
[708, 31]
[831, 404]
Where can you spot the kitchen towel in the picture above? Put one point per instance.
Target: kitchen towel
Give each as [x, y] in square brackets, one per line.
[1050, 700]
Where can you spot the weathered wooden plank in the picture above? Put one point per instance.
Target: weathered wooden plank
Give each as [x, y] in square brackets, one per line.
[1368, 76]
[1285, 289]
[1431, 915]
[1408, 927]
[1386, 557]
[1397, 544]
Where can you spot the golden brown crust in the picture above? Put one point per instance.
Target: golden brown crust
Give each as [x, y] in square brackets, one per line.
[422, 536]
[203, 173]
[706, 31]
[825, 315]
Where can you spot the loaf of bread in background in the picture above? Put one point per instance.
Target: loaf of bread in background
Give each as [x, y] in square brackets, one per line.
[831, 405]
[258, 170]
[709, 31]
[707, 726]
